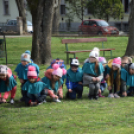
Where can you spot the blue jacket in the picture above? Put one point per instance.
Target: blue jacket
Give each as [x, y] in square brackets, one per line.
[73, 78]
[4, 87]
[22, 70]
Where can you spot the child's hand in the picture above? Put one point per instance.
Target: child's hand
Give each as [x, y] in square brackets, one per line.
[56, 97]
[80, 83]
[109, 87]
[94, 79]
[70, 90]
[21, 81]
[107, 76]
[97, 79]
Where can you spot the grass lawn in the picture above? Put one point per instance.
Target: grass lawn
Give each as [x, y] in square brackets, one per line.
[105, 116]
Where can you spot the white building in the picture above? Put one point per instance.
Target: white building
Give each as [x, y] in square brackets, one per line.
[9, 10]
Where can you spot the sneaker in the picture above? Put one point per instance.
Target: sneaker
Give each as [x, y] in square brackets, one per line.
[56, 100]
[111, 95]
[42, 102]
[116, 96]
[12, 101]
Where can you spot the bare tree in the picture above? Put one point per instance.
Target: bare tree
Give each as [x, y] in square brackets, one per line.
[42, 15]
[56, 17]
[130, 46]
[22, 13]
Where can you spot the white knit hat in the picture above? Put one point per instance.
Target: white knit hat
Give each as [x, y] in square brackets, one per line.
[93, 54]
[132, 66]
[25, 57]
[97, 50]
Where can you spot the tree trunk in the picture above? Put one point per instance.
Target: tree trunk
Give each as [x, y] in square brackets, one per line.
[82, 9]
[56, 18]
[42, 15]
[130, 46]
[21, 8]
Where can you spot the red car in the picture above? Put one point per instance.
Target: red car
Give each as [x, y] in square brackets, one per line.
[97, 27]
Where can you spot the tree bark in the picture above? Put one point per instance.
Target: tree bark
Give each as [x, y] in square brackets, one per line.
[42, 14]
[130, 46]
[21, 8]
[56, 18]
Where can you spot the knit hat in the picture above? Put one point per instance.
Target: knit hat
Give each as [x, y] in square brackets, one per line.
[132, 66]
[93, 54]
[97, 51]
[4, 70]
[102, 60]
[58, 71]
[117, 62]
[31, 73]
[25, 57]
[74, 62]
[28, 52]
[130, 59]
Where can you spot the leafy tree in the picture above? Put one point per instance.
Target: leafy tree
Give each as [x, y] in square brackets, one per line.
[104, 9]
[77, 7]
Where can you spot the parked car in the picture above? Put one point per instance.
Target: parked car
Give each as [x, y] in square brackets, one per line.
[97, 27]
[14, 23]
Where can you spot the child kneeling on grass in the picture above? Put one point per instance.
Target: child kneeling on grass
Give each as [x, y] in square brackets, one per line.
[22, 68]
[7, 84]
[113, 77]
[74, 80]
[128, 77]
[34, 89]
[93, 74]
[53, 81]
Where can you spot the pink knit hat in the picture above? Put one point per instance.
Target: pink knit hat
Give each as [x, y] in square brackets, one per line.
[58, 71]
[117, 62]
[31, 72]
[102, 60]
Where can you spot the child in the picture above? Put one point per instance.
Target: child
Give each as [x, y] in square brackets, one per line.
[7, 84]
[113, 77]
[74, 80]
[22, 68]
[103, 84]
[61, 64]
[54, 82]
[93, 74]
[34, 89]
[128, 77]
[124, 65]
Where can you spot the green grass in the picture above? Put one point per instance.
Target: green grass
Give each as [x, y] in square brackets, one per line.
[105, 116]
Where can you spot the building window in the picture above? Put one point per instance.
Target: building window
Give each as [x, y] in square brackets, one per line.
[6, 7]
[62, 9]
[126, 6]
[88, 11]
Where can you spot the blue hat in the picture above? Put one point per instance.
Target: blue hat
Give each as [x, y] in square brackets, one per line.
[28, 52]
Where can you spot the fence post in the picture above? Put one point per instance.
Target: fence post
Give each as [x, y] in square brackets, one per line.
[20, 25]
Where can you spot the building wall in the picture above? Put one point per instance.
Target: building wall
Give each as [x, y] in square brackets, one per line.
[13, 12]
